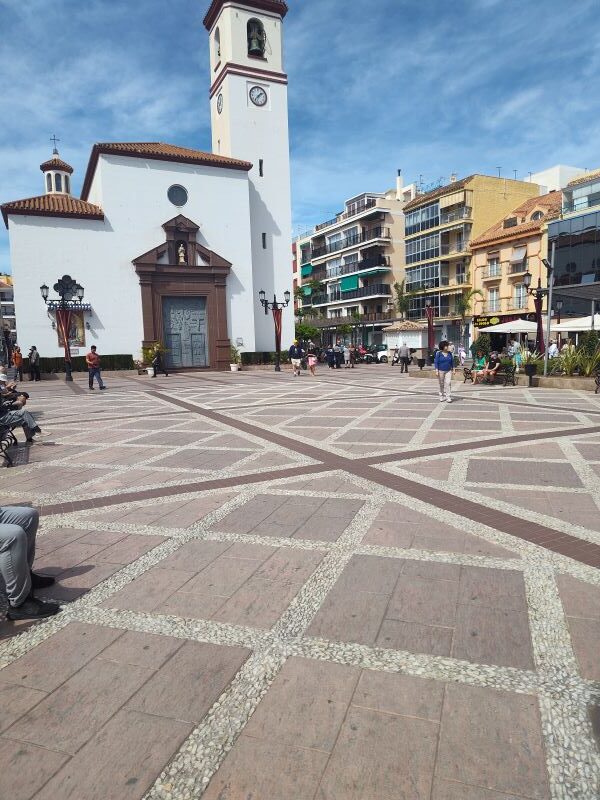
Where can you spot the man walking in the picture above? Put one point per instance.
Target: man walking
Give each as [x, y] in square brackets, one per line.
[34, 364]
[296, 354]
[92, 360]
[18, 527]
[404, 355]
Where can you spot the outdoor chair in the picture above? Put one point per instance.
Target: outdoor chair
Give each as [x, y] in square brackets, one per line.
[7, 440]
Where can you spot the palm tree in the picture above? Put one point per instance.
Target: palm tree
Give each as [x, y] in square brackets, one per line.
[463, 307]
[402, 298]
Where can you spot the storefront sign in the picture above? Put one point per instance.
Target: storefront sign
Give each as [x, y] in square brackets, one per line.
[485, 322]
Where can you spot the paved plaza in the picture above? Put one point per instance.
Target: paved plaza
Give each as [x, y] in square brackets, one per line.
[282, 588]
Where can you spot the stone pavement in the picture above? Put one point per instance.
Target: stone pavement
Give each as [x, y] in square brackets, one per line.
[287, 589]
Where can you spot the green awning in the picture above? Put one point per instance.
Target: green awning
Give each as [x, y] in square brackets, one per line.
[375, 271]
[349, 283]
[307, 291]
[306, 271]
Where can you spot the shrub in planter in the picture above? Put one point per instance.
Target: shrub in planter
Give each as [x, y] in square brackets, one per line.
[588, 363]
[589, 342]
[569, 361]
[483, 343]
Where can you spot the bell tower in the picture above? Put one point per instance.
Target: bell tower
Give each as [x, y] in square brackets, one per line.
[249, 118]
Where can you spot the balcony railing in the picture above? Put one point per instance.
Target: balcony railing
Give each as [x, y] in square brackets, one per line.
[450, 249]
[581, 203]
[356, 209]
[494, 307]
[492, 272]
[354, 319]
[358, 266]
[351, 241]
[464, 212]
[515, 269]
[518, 302]
[374, 290]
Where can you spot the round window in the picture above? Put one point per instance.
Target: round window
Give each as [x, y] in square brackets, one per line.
[177, 195]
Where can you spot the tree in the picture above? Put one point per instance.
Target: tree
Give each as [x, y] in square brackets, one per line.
[316, 287]
[299, 293]
[402, 298]
[464, 305]
[345, 329]
[483, 343]
[304, 331]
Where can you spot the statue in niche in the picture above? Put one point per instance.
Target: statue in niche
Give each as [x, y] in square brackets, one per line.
[181, 254]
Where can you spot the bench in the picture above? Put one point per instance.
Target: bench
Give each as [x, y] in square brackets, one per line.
[597, 389]
[508, 374]
[7, 440]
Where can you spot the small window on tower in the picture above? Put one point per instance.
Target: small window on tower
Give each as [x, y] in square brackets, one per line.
[264, 241]
[257, 39]
[67, 185]
[48, 182]
[58, 182]
[261, 171]
[217, 45]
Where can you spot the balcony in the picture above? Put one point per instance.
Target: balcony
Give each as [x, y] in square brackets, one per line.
[518, 303]
[351, 241]
[457, 248]
[358, 266]
[492, 273]
[355, 319]
[337, 296]
[494, 307]
[517, 269]
[582, 203]
[456, 215]
[357, 209]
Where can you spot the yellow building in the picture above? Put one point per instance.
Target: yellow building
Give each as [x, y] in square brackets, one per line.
[439, 227]
[502, 255]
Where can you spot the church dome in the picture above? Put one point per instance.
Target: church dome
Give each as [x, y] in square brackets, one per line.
[56, 163]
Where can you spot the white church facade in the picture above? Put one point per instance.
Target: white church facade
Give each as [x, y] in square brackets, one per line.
[173, 244]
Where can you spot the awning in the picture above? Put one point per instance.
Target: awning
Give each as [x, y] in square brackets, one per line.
[306, 271]
[307, 291]
[579, 324]
[518, 255]
[349, 283]
[516, 326]
[452, 199]
[375, 271]
[579, 291]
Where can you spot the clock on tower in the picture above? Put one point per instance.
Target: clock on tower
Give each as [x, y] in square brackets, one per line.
[249, 117]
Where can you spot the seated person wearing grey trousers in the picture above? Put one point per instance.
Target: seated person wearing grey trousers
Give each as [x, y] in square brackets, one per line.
[18, 527]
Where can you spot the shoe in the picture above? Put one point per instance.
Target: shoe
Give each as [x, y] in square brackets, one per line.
[442, 399]
[32, 608]
[102, 388]
[41, 581]
[91, 388]
[448, 399]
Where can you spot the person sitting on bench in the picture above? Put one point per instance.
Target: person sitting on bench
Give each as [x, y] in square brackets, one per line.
[491, 368]
[18, 528]
[478, 365]
[13, 414]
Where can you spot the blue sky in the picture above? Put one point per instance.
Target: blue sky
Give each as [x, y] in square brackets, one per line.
[430, 87]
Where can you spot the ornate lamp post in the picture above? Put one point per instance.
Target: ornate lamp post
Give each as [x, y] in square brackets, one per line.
[558, 306]
[67, 289]
[430, 311]
[277, 309]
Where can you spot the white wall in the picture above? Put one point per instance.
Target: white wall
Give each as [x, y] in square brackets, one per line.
[98, 254]
[555, 178]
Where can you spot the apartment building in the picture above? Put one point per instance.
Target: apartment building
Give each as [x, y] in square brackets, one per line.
[348, 264]
[576, 235]
[502, 255]
[440, 226]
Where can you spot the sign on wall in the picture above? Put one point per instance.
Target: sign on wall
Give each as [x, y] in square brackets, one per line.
[76, 331]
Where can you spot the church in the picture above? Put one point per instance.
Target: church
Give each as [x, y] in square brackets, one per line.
[171, 244]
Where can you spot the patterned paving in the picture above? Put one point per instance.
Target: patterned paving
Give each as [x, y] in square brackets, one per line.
[295, 588]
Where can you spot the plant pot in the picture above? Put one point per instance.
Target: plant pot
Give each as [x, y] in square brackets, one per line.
[530, 370]
[150, 371]
[421, 362]
[234, 367]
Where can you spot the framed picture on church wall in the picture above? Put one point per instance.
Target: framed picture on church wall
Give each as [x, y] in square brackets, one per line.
[76, 331]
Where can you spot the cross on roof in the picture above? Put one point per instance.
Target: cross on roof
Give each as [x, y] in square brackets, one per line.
[55, 140]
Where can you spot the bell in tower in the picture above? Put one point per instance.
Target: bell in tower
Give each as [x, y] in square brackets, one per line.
[257, 39]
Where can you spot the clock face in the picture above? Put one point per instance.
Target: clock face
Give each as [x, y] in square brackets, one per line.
[220, 103]
[258, 96]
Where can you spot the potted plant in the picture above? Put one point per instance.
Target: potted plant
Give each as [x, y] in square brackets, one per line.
[148, 354]
[530, 364]
[236, 359]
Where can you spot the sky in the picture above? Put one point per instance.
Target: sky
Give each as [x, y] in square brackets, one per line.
[429, 87]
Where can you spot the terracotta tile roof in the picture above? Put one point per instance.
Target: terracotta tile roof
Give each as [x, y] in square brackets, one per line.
[157, 151]
[56, 163]
[52, 205]
[595, 173]
[550, 204]
[275, 6]
[421, 199]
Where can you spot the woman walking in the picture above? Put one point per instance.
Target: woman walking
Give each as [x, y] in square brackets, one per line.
[444, 368]
[312, 359]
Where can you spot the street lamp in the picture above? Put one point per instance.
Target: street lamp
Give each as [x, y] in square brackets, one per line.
[430, 311]
[67, 289]
[538, 295]
[277, 309]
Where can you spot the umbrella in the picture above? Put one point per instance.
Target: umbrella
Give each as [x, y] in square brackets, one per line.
[579, 324]
[517, 326]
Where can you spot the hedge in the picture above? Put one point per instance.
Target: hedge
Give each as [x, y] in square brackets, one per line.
[116, 362]
[258, 359]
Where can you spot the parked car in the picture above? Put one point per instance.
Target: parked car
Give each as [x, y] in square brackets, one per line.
[379, 352]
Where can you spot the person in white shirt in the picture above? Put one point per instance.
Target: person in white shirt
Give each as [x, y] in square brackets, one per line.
[552, 349]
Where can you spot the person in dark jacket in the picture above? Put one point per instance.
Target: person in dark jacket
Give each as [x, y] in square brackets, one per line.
[157, 364]
[330, 356]
[296, 355]
[34, 364]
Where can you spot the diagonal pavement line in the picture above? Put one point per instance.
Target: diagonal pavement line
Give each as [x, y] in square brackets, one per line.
[586, 552]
